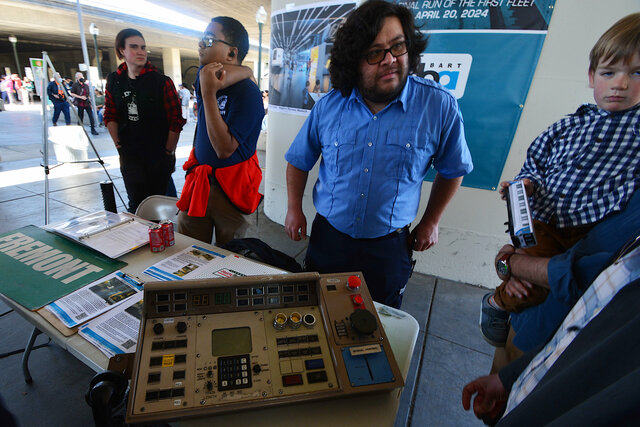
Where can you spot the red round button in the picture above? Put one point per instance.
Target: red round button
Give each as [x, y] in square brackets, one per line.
[357, 299]
[354, 282]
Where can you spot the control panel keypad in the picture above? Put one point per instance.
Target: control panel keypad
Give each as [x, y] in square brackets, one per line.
[234, 372]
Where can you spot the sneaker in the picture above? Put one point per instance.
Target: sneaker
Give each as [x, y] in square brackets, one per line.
[494, 323]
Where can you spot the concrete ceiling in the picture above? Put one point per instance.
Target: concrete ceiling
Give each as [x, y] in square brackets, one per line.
[53, 24]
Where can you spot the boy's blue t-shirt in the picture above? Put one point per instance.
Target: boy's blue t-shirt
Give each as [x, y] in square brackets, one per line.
[242, 110]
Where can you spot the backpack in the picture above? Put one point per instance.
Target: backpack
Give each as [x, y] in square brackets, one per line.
[257, 249]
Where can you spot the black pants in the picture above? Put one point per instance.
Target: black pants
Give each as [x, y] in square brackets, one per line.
[61, 107]
[81, 111]
[144, 177]
[385, 262]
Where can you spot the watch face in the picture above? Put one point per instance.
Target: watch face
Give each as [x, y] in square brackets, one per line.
[502, 267]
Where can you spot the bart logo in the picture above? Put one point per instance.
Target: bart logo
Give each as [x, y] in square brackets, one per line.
[451, 70]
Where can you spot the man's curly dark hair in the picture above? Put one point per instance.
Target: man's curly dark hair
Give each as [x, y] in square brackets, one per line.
[355, 36]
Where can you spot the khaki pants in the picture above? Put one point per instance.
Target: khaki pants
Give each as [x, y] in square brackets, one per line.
[227, 221]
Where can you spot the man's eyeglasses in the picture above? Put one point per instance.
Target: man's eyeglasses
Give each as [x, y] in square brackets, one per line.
[376, 56]
[208, 41]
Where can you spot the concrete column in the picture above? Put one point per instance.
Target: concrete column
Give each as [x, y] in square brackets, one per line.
[114, 62]
[171, 64]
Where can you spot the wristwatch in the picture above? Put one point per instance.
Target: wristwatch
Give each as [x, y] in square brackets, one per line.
[502, 266]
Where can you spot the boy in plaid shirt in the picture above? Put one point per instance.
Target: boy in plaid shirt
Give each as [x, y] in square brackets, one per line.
[581, 169]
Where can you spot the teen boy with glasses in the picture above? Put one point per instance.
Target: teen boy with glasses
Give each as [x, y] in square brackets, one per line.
[230, 116]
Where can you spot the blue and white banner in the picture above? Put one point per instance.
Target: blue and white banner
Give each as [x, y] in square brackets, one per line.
[485, 52]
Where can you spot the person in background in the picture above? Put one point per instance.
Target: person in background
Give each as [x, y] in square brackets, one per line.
[29, 89]
[185, 97]
[143, 116]
[99, 106]
[378, 131]
[17, 88]
[4, 87]
[56, 93]
[82, 100]
[265, 101]
[68, 84]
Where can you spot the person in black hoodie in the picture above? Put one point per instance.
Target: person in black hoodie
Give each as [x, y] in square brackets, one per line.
[144, 118]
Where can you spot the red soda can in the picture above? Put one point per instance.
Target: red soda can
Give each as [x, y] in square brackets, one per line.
[167, 233]
[156, 239]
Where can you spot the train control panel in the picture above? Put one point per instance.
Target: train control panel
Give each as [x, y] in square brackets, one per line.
[224, 345]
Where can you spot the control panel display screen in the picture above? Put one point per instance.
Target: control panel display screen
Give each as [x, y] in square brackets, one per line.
[231, 341]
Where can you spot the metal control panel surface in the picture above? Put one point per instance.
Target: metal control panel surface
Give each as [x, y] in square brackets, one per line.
[224, 345]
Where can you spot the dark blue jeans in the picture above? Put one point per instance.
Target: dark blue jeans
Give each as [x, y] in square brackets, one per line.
[385, 261]
[59, 107]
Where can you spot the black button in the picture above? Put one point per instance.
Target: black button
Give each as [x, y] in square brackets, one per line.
[316, 377]
[155, 361]
[178, 375]
[158, 345]
[151, 395]
[178, 392]
[281, 341]
[181, 358]
[154, 378]
[181, 326]
[164, 394]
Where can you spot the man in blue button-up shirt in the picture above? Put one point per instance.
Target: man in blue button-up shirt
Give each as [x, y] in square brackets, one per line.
[378, 131]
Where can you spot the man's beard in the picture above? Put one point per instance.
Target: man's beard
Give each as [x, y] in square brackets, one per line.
[372, 94]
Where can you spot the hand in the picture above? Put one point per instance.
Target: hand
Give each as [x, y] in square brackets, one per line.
[296, 224]
[490, 397]
[504, 185]
[518, 287]
[424, 236]
[212, 78]
[528, 186]
[504, 190]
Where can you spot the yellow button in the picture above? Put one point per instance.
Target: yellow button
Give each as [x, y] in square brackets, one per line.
[285, 367]
[297, 365]
[168, 360]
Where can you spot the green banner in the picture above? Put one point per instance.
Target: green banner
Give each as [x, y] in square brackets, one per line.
[39, 267]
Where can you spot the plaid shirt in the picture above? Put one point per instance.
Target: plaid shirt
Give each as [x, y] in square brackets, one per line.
[584, 166]
[596, 297]
[170, 98]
